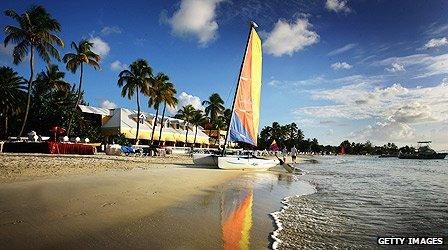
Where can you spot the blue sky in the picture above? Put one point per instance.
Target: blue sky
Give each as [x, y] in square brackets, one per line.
[341, 69]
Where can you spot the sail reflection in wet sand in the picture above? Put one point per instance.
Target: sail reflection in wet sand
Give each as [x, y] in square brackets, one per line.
[236, 212]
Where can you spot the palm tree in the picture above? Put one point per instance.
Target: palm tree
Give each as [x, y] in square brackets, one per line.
[53, 78]
[44, 89]
[168, 93]
[197, 119]
[227, 114]
[83, 54]
[215, 106]
[186, 113]
[133, 81]
[159, 90]
[35, 32]
[12, 93]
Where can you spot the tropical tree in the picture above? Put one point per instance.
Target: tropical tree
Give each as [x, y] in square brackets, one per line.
[197, 119]
[12, 93]
[215, 106]
[227, 115]
[159, 91]
[53, 78]
[137, 79]
[48, 86]
[83, 55]
[35, 31]
[186, 113]
[168, 97]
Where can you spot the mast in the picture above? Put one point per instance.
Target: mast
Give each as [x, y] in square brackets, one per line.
[251, 25]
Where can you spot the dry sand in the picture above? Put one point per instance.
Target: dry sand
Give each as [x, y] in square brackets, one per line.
[25, 167]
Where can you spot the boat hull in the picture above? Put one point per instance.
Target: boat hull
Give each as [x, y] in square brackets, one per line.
[209, 160]
[438, 156]
[240, 163]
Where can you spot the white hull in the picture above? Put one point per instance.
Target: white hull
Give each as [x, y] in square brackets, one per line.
[243, 163]
[205, 159]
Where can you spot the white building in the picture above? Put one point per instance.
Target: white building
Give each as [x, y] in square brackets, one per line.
[124, 121]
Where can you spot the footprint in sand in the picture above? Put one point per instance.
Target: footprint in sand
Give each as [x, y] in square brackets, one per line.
[108, 204]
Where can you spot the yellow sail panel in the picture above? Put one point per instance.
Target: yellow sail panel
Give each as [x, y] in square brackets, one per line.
[256, 80]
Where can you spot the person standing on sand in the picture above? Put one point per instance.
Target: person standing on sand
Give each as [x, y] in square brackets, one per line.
[293, 153]
[284, 153]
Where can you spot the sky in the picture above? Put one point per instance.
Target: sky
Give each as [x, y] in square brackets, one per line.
[341, 69]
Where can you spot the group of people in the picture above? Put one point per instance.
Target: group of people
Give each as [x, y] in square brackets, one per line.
[293, 154]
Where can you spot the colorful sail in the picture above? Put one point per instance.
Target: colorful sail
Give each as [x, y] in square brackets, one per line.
[246, 111]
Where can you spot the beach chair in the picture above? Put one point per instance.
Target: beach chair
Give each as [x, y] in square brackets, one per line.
[127, 150]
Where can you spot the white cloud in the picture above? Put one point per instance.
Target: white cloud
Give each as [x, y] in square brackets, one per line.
[337, 6]
[107, 30]
[436, 42]
[288, 38]
[197, 18]
[342, 49]
[100, 47]
[341, 65]
[8, 51]
[423, 65]
[185, 99]
[396, 67]
[118, 66]
[396, 113]
[108, 104]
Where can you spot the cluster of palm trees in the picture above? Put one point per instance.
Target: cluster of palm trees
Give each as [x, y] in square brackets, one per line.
[139, 79]
[214, 117]
[36, 32]
[285, 135]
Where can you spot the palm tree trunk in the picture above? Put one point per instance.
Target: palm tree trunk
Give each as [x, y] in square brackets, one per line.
[30, 81]
[186, 135]
[77, 101]
[138, 119]
[6, 126]
[161, 124]
[155, 124]
[195, 133]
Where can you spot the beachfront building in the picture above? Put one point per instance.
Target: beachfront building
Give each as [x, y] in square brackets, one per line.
[124, 121]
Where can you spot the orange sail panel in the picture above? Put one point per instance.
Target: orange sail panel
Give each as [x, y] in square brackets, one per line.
[246, 112]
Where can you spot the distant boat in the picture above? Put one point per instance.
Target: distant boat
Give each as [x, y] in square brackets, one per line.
[423, 152]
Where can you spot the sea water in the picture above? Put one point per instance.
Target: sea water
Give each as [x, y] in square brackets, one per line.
[361, 198]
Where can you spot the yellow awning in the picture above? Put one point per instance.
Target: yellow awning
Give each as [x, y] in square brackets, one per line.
[167, 137]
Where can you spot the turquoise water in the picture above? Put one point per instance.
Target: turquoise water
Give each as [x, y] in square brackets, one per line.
[361, 198]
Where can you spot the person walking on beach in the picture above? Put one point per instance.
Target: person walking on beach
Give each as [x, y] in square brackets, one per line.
[284, 153]
[293, 153]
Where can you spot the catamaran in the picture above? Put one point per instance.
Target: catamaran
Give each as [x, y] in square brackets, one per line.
[245, 117]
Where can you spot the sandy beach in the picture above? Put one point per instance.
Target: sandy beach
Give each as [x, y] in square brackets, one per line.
[120, 202]
[26, 167]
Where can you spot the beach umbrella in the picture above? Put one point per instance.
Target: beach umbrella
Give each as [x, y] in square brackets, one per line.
[274, 146]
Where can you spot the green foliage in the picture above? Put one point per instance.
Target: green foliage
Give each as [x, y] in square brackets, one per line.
[215, 106]
[134, 81]
[35, 30]
[119, 139]
[12, 97]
